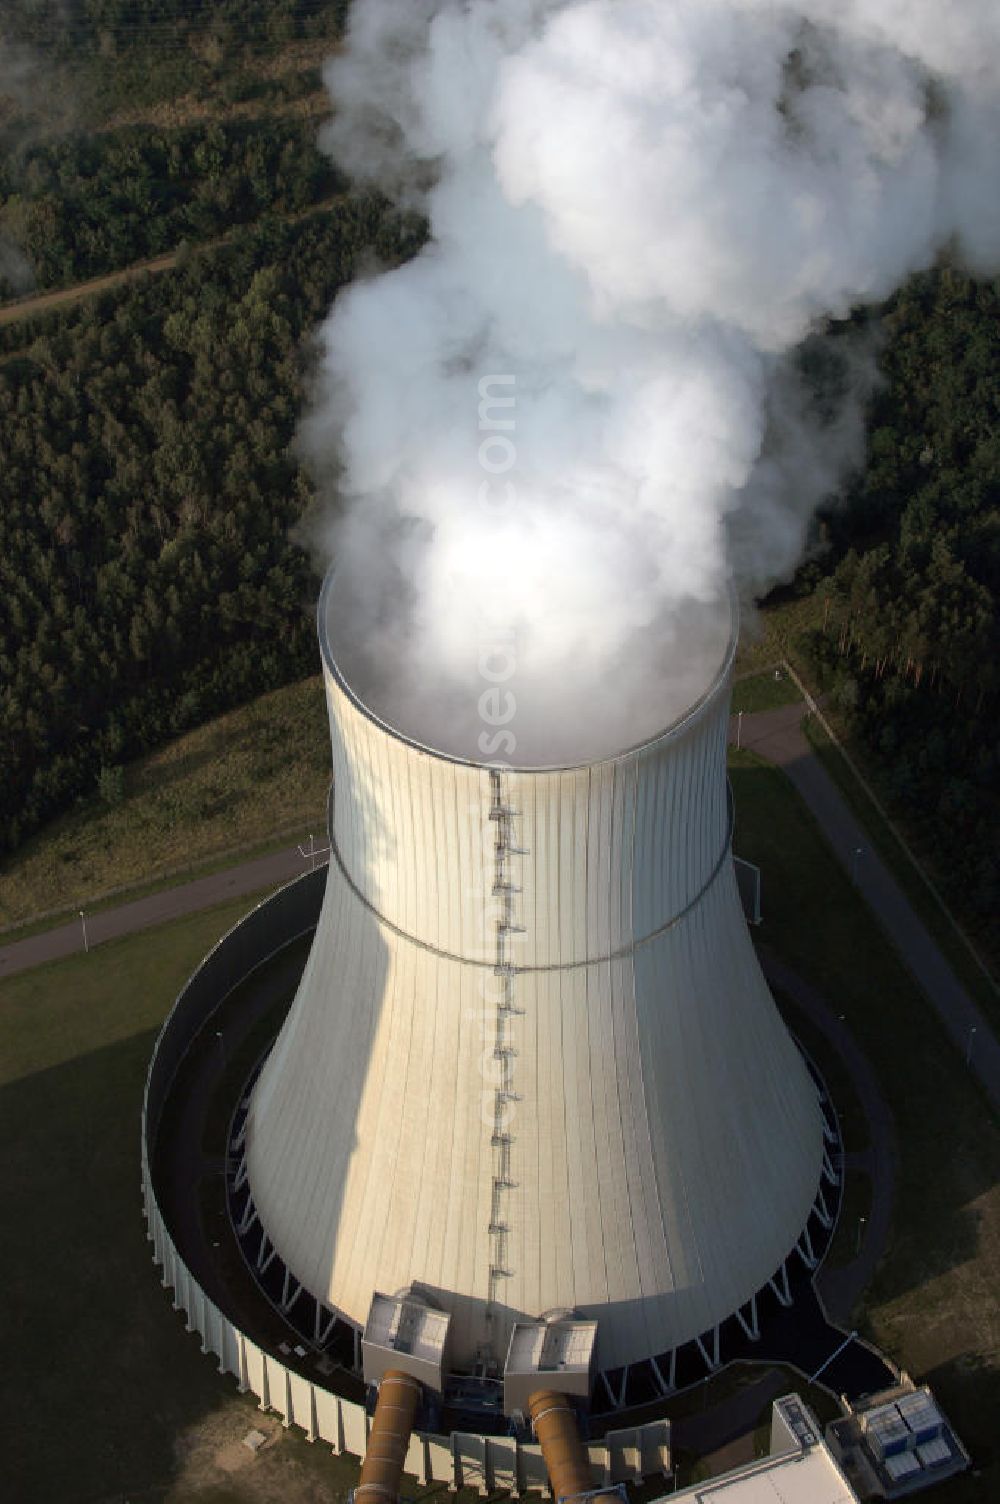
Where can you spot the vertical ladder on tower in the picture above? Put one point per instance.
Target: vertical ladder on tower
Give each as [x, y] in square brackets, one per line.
[504, 889]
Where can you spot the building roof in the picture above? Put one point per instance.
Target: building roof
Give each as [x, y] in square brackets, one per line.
[800, 1470]
[407, 1326]
[810, 1477]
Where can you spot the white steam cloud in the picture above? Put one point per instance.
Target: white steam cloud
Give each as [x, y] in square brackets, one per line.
[639, 210]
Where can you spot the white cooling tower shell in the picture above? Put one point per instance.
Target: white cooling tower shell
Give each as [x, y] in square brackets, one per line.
[532, 1061]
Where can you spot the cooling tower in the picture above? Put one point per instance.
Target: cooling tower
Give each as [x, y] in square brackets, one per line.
[532, 1062]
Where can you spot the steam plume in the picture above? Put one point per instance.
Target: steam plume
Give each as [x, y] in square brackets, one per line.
[639, 210]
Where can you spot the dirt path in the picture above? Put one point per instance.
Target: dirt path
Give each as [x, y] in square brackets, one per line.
[26, 308]
[194, 108]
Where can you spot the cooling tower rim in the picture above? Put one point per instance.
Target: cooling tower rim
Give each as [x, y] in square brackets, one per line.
[669, 732]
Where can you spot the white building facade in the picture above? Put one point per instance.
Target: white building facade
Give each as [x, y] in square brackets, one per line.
[532, 1062]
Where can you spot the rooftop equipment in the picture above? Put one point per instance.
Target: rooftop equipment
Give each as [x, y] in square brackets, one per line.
[557, 1353]
[900, 1465]
[405, 1334]
[921, 1415]
[899, 1441]
[886, 1432]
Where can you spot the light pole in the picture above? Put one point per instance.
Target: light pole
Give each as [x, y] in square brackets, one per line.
[861, 1229]
[968, 1047]
[858, 853]
[739, 728]
[83, 926]
[222, 1046]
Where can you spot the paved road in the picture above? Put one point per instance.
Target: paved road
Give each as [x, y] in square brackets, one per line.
[172, 903]
[777, 735]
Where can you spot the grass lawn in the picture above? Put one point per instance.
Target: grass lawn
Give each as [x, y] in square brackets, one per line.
[771, 633]
[764, 691]
[225, 790]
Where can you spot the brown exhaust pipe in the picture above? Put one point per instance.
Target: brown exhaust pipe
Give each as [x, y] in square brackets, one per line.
[399, 1395]
[553, 1421]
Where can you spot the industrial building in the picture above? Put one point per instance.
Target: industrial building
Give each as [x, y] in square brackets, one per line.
[893, 1445]
[533, 1064]
[532, 1125]
[897, 1442]
[799, 1467]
